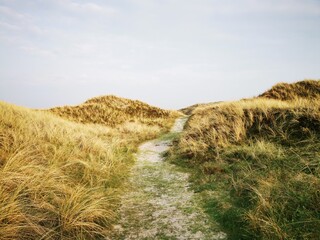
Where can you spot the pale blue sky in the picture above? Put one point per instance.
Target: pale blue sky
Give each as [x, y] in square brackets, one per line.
[169, 53]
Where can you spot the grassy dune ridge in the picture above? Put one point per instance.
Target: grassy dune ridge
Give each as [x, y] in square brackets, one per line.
[307, 89]
[60, 179]
[256, 162]
[112, 111]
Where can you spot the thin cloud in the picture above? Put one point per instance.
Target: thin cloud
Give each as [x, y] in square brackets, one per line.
[11, 13]
[9, 26]
[88, 7]
[86, 48]
[307, 7]
[33, 50]
[286, 6]
[37, 30]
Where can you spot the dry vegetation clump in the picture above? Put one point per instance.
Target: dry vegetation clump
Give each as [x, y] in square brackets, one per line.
[309, 89]
[264, 154]
[61, 179]
[112, 111]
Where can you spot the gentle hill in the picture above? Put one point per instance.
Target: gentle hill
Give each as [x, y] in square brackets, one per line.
[257, 162]
[112, 111]
[189, 110]
[62, 180]
[309, 89]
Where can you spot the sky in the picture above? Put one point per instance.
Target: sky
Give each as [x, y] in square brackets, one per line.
[168, 53]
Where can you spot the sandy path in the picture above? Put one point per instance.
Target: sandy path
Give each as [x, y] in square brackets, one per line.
[160, 204]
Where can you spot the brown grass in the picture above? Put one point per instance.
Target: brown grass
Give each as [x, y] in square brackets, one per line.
[263, 154]
[61, 179]
[308, 89]
[113, 111]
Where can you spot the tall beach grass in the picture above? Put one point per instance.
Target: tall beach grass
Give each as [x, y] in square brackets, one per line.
[256, 162]
[62, 179]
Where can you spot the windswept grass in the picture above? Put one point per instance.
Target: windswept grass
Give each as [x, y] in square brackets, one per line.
[113, 111]
[308, 89]
[61, 179]
[257, 162]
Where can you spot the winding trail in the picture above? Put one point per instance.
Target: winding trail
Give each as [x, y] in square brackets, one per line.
[160, 204]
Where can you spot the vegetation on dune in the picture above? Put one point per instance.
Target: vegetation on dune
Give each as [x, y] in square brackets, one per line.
[257, 162]
[112, 111]
[309, 89]
[61, 179]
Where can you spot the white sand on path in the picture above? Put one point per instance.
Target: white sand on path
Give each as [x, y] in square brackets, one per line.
[159, 204]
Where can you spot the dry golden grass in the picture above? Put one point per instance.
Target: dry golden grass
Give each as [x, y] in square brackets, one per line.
[112, 111]
[61, 179]
[265, 154]
[308, 89]
[232, 122]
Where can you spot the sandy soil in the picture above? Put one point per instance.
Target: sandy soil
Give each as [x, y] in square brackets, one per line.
[159, 203]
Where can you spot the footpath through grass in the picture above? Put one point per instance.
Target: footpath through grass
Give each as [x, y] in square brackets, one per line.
[159, 203]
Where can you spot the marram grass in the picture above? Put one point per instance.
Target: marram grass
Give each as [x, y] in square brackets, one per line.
[257, 162]
[60, 179]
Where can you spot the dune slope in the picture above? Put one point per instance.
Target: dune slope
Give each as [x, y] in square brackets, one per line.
[257, 162]
[61, 178]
